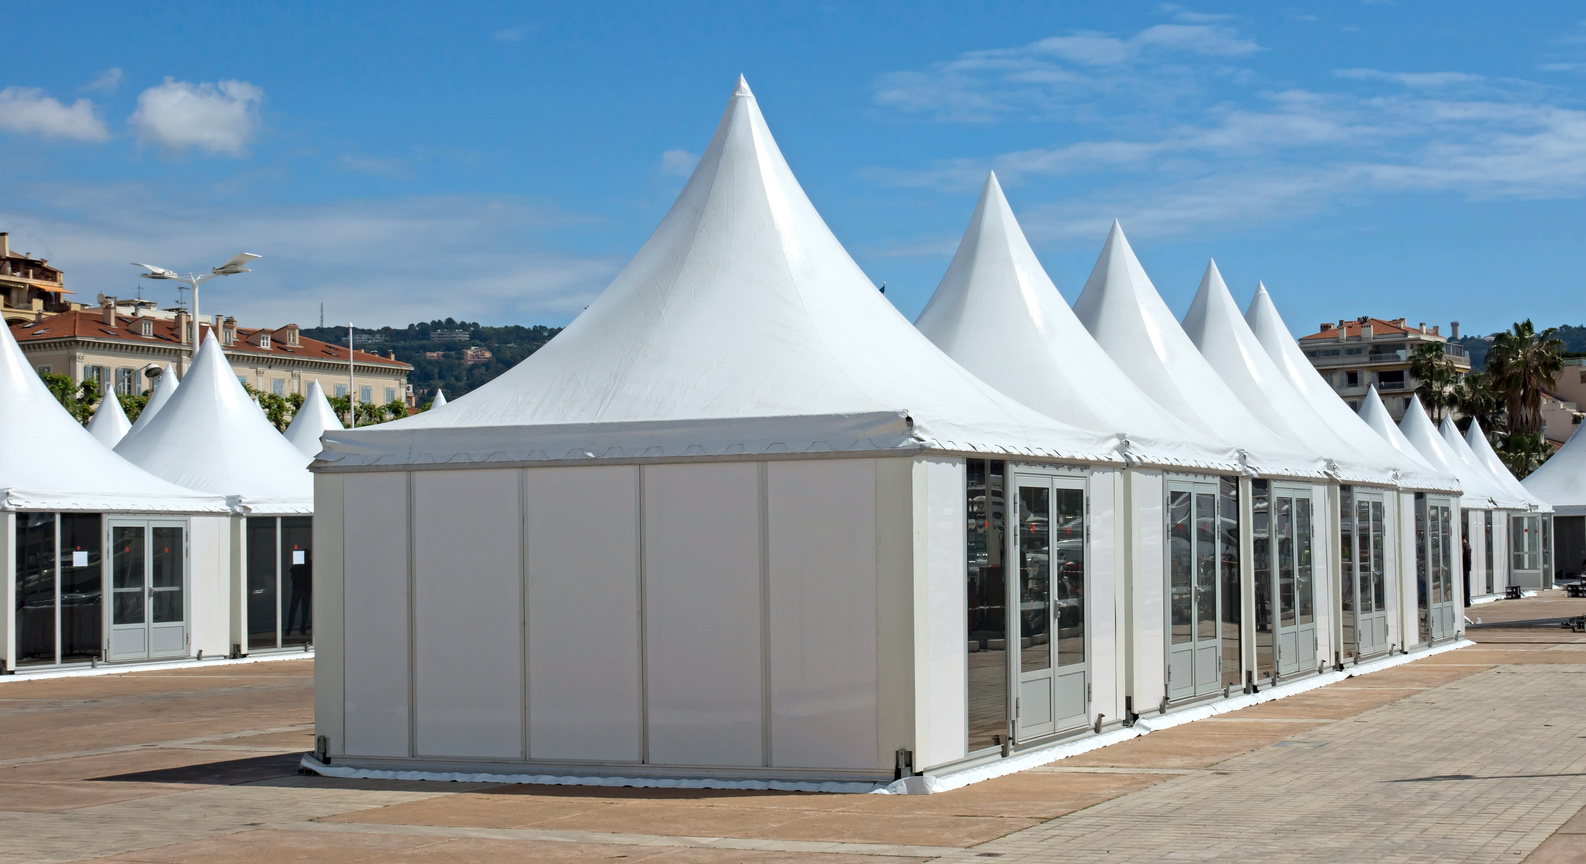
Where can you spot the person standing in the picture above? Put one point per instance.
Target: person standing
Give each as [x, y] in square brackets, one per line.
[1464, 543]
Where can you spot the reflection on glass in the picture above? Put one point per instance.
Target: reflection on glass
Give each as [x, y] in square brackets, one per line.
[1422, 590]
[1068, 563]
[1035, 578]
[167, 574]
[82, 609]
[35, 598]
[988, 605]
[1305, 593]
[1379, 581]
[297, 579]
[1285, 531]
[127, 574]
[1228, 500]
[1445, 523]
[1261, 549]
[1181, 606]
[1205, 567]
[1346, 555]
[1486, 545]
[263, 577]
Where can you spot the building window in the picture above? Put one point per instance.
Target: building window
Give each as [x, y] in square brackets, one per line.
[45, 370]
[1391, 380]
[264, 341]
[390, 394]
[1351, 379]
[1583, 377]
[243, 380]
[341, 391]
[1354, 350]
[278, 386]
[146, 328]
[364, 394]
[95, 374]
[127, 382]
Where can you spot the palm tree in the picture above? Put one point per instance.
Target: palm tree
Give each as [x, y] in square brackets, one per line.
[1520, 364]
[1437, 381]
[1477, 400]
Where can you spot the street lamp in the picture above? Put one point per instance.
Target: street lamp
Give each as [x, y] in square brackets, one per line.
[230, 268]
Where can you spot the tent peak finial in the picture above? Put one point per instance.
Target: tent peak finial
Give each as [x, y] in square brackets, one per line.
[743, 87]
[1261, 288]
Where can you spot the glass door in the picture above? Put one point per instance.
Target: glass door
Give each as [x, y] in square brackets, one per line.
[148, 580]
[1049, 547]
[1294, 624]
[1365, 588]
[1194, 599]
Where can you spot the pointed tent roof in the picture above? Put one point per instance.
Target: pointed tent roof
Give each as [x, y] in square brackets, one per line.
[312, 420]
[998, 314]
[1476, 492]
[61, 466]
[1375, 415]
[1279, 343]
[211, 436]
[742, 326]
[165, 387]
[1215, 326]
[1561, 481]
[1487, 458]
[1503, 497]
[440, 399]
[109, 423]
[1122, 310]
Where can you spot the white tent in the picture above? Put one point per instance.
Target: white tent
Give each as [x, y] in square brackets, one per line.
[1214, 324]
[1561, 481]
[210, 436]
[1122, 310]
[165, 386]
[741, 327]
[1486, 457]
[109, 423]
[53, 463]
[1284, 351]
[312, 420]
[1475, 489]
[440, 399]
[1503, 496]
[1375, 415]
[998, 314]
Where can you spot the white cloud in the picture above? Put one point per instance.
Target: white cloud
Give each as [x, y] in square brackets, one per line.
[373, 261]
[510, 35]
[108, 81]
[398, 168]
[1411, 79]
[678, 163]
[214, 118]
[30, 111]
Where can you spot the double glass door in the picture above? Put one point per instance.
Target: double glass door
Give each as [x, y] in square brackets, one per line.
[1285, 579]
[148, 588]
[1434, 554]
[1049, 547]
[1202, 587]
[279, 606]
[1363, 594]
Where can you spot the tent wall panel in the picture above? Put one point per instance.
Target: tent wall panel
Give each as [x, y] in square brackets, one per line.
[820, 543]
[1149, 558]
[1500, 551]
[209, 575]
[582, 547]
[941, 674]
[1102, 596]
[895, 579]
[703, 625]
[330, 656]
[8, 588]
[467, 614]
[1324, 567]
[375, 613]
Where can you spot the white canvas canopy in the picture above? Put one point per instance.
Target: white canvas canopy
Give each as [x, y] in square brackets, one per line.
[312, 420]
[1504, 496]
[165, 387]
[211, 436]
[1487, 458]
[1215, 326]
[1375, 415]
[1561, 481]
[440, 399]
[1476, 491]
[998, 314]
[50, 462]
[109, 423]
[1284, 351]
[1122, 310]
[741, 327]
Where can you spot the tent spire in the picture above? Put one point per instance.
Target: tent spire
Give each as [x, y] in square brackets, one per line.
[743, 88]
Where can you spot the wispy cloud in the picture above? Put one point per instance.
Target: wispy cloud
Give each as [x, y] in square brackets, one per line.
[219, 119]
[678, 163]
[30, 111]
[1412, 79]
[109, 81]
[514, 34]
[360, 164]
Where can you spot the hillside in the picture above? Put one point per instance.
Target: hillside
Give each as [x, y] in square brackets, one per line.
[1476, 346]
[440, 351]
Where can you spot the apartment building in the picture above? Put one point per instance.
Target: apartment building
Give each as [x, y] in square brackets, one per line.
[29, 287]
[1354, 356]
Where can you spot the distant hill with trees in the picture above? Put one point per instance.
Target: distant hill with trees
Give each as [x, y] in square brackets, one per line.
[440, 351]
[1574, 339]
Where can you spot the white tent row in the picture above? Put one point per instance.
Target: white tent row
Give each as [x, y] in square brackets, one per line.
[312, 420]
[1561, 483]
[800, 541]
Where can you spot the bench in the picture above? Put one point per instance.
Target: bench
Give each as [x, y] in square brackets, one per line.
[1575, 589]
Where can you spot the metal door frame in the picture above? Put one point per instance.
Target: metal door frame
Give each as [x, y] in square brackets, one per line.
[1372, 618]
[1194, 485]
[1053, 477]
[1284, 666]
[107, 556]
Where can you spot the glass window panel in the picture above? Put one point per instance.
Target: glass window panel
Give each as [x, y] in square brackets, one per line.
[82, 604]
[1422, 589]
[1205, 567]
[1261, 548]
[1486, 536]
[1367, 530]
[988, 606]
[1346, 554]
[1035, 578]
[1228, 499]
[1181, 607]
[168, 555]
[1304, 588]
[1434, 551]
[35, 597]
[1068, 563]
[263, 577]
[1379, 581]
[127, 575]
[1284, 522]
[297, 579]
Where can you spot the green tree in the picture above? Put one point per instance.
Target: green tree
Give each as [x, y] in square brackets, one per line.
[1521, 364]
[133, 405]
[1524, 452]
[1477, 400]
[1437, 379]
[78, 399]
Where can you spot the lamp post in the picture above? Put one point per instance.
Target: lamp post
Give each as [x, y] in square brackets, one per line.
[232, 267]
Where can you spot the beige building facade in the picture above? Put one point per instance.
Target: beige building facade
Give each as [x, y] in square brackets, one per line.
[117, 342]
[1354, 356]
[29, 288]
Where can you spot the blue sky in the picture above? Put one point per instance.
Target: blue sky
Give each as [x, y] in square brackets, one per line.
[501, 162]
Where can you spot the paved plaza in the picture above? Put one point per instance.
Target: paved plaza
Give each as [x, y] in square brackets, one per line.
[1473, 755]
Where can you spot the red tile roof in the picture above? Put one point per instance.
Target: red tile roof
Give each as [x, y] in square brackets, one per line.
[88, 324]
[1379, 327]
